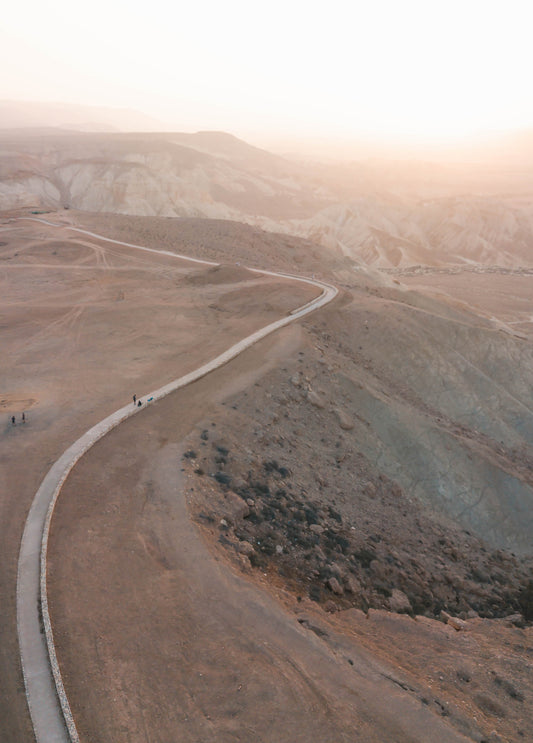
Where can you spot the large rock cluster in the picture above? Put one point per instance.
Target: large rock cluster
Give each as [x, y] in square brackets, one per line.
[266, 520]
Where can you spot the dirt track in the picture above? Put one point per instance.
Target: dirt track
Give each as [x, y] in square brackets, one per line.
[185, 649]
[76, 344]
[155, 640]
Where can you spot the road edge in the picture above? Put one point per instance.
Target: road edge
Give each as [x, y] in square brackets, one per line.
[48, 704]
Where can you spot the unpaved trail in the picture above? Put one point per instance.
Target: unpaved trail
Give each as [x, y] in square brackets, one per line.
[160, 641]
[194, 612]
[75, 374]
[32, 603]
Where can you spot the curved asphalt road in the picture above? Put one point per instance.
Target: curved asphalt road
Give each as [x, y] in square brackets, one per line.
[53, 721]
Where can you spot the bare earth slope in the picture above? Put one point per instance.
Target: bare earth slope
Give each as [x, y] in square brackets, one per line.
[380, 213]
[375, 459]
[187, 650]
[86, 325]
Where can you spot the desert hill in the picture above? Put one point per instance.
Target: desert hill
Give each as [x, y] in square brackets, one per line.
[33, 114]
[426, 380]
[334, 532]
[380, 213]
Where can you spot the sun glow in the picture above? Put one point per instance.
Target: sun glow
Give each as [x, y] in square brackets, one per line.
[413, 70]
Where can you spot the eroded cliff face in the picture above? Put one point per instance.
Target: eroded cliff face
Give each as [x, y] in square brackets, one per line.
[365, 214]
[450, 230]
[151, 177]
[28, 191]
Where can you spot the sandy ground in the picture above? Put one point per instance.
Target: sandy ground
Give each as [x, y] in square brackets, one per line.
[164, 630]
[187, 650]
[310, 519]
[507, 299]
[85, 326]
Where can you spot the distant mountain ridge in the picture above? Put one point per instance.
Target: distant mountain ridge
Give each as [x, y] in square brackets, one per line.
[70, 116]
[378, 213]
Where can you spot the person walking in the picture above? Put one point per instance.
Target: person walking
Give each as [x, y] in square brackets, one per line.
[23, 417]
[13, 419]
[134, 399]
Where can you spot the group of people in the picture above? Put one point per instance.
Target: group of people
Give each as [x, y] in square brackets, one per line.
[139, 402]
[14, 420]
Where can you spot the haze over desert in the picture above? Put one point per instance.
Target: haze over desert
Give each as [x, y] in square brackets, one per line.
[266, 322]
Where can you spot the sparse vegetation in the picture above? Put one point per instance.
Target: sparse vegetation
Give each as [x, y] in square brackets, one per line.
[308, 543]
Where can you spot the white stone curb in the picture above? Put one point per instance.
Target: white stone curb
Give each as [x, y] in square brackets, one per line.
[54, 723]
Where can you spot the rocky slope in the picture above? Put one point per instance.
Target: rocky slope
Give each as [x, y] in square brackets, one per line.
[424, 391]
[369, 466]
[379, 214]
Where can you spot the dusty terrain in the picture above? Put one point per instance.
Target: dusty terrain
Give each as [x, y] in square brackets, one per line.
[504, 295]
[384, 213]
[212, 559]
[338, 415]
[84, 326]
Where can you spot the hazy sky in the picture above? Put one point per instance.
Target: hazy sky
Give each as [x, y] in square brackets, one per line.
[419, 69]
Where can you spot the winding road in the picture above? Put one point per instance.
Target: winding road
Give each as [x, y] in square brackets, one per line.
[49, 706]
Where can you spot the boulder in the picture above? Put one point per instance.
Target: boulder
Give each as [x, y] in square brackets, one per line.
[245, 548]
[515, 620]
[398, 602]
[334, 586]
[234, 507]
[455, 622]
[296, 380]
[345, 422]
[352, 585]
[315, 399]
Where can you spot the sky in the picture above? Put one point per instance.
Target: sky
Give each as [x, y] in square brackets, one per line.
[408, 70]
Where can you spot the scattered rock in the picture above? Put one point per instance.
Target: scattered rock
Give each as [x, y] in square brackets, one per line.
[320, 631]
[515, 620]
[321, 480]
[352, 585]
[399, 603]
[345, 422]
[235, 508]
[238, 483]
[455, 622]
[315, 399]
[245, 563]
[296, 380]
[334, 585]
[362, 521]
[245, 548]
[464, 674]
